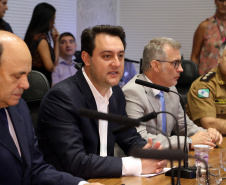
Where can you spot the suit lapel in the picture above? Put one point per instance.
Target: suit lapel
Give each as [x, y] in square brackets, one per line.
[150, 94]
[86, 91]
[7, 141]
[19, 127]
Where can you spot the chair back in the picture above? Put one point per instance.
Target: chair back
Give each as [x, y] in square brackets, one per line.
[39, 85]
[187, 77]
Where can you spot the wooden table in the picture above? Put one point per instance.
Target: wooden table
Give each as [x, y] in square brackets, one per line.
[214, 159]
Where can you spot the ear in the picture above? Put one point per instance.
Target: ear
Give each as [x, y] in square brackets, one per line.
[155, 65]
[86, 58]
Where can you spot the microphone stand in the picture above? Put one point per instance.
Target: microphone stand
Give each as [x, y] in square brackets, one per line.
[186, 172]
[170, 146]
[128, 123]
[146, 118]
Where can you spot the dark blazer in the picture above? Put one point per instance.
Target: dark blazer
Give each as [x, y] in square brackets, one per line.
[5, 26]
[30, 168]
[71, 142]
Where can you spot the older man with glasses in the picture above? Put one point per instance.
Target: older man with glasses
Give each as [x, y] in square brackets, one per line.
[162, 65]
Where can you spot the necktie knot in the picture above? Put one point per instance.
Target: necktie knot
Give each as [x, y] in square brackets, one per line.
[160, 94]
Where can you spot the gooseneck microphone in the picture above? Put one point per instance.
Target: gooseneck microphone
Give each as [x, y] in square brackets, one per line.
[110, 117]
[138, 151]
[129, 123]
[152, 85]
[187, 172]
[125, 121]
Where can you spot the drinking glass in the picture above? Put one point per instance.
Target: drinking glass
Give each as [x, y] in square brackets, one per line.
[223, 158]
[213, 175]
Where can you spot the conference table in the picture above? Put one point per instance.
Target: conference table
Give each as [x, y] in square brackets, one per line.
[214, 159]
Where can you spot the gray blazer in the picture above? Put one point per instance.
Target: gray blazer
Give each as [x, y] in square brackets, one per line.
[140, 100]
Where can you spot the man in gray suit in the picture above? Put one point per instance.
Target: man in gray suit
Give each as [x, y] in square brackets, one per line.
[162, 65]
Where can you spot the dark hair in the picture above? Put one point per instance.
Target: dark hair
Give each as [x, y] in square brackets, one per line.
[88, 36]
[43, 13]
[66, 34]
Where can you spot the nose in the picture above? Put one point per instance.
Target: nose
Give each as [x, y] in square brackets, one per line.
[180, 69]
[24, 84]
[6, 7]
[116, 62]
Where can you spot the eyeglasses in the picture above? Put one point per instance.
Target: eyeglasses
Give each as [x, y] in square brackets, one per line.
[175, 62]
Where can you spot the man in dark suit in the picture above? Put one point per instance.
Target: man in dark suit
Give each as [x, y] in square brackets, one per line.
[21, 162]
[82, 146]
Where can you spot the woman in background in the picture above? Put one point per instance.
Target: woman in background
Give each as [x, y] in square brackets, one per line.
[208, 38]
[4, 25]
[37, 37]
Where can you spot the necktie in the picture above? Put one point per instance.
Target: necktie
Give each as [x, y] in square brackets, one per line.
[162, 101]
[4, 118]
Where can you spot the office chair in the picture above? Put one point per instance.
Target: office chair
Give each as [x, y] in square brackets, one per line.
[39, 85]
[187, 77]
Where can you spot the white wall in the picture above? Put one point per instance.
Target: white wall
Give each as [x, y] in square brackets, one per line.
[94, 12]
[19, 14]
[142, 20]
[146, 19]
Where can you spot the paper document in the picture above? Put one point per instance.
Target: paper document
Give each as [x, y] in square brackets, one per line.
[154, 174]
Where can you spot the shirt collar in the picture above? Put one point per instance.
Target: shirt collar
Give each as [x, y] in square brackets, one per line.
[98, 97]
[61, 60]
[155, 91]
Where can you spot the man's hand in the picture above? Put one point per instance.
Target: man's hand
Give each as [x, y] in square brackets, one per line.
[202, 137]
[152, 165]
[215, 135]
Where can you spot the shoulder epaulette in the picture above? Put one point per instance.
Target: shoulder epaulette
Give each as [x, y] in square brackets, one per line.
[206, 77]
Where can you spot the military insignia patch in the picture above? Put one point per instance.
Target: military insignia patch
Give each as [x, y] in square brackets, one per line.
[203, 93]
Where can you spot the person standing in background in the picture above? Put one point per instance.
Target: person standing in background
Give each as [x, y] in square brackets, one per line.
[208, 38]
[44, 57]
[4, 25]
[66, 65]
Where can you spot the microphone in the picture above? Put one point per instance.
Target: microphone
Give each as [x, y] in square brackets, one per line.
[152, 85]
[188, 172]
[157, 154]
[125, 121]
[128, 123]
[147, 117]
[110, 117]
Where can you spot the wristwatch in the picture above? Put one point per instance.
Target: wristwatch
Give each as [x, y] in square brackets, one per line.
[189, 142]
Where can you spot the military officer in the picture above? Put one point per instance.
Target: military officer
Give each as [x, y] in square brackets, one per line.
[206, 104]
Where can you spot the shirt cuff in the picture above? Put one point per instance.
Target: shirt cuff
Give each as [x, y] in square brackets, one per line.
[131, 166]
[83, 182]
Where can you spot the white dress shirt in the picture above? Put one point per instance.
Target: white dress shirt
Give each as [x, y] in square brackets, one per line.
[12, 132]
